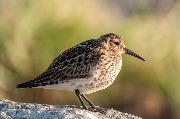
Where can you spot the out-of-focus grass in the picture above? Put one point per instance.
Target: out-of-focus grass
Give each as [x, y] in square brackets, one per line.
[33, 33]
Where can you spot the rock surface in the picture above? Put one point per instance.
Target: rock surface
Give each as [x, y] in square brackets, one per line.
[17, 110]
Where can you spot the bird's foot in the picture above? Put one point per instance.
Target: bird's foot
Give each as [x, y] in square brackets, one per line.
[97, 109]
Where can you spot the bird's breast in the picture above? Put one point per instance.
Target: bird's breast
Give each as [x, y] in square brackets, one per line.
[103, 75]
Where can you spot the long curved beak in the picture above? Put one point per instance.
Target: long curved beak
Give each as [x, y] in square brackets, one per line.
[129, 52]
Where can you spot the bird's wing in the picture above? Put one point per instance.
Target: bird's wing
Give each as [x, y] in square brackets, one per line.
[74, 63]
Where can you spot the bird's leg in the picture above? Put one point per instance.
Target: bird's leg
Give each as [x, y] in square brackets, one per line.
[90, 103]
[79, 96]
[93, 108]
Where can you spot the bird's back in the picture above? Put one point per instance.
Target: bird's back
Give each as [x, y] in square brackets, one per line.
[74, 63]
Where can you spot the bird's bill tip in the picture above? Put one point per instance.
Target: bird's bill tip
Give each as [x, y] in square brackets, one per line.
[129, 52]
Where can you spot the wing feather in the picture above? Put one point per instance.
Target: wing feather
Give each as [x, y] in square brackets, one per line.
[72, 64]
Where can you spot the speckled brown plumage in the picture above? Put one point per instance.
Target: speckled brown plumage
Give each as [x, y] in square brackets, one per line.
[85, 68]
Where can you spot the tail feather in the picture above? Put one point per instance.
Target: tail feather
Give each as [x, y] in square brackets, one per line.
[25, 85]
[41, 80]
[22, 86]
[32, 84]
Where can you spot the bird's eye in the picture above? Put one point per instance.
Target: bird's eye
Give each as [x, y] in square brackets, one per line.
[116, 43]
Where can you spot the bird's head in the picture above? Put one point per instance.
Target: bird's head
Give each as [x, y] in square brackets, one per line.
[114, 44]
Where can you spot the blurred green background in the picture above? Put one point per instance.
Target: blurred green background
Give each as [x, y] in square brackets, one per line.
[34, 32]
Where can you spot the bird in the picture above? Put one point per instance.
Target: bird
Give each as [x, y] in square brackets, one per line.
[87, 67]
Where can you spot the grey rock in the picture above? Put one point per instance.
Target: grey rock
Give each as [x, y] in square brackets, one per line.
[17, 110]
